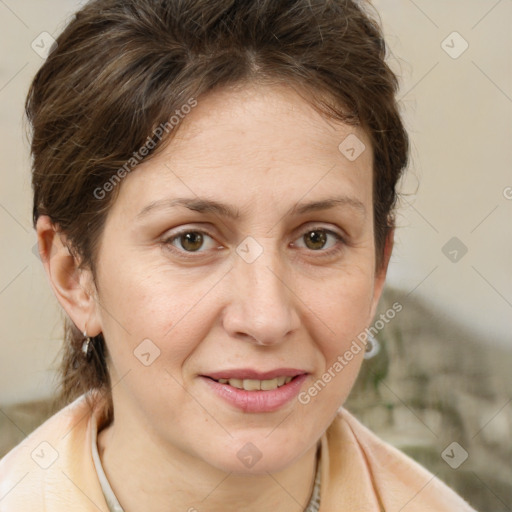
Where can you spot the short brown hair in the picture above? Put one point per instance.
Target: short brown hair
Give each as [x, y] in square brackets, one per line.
[123, 67]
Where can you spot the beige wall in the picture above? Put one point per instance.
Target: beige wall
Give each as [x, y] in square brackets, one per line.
[458, 111]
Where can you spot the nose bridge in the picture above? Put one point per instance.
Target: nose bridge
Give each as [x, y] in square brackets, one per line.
[263, 307]
[265, 282]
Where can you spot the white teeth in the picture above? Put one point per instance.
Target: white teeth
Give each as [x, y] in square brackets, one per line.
[236, 383]
[255, 385]
[268, 384]
[251, 384]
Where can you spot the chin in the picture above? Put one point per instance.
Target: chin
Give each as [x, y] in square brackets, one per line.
[256, 455]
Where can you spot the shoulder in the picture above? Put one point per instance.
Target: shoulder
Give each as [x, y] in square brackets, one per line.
[48, 468]
[397, 479]
[50, 433]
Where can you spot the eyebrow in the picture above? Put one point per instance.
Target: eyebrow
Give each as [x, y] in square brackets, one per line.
[329, 203]
[225, 210]
[194, 204]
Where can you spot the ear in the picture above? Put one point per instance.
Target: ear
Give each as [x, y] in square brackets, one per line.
[73, 287]
[380, 276]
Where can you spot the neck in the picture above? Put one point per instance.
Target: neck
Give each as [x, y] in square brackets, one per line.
[144, 476]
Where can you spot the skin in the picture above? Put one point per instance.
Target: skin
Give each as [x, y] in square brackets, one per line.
[263, 150]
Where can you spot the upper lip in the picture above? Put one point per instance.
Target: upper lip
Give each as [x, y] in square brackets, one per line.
[249, 373]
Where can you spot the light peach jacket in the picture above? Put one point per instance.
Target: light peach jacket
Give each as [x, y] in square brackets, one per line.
[360, 473]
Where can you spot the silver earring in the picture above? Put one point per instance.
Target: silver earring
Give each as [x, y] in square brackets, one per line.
[86, 345]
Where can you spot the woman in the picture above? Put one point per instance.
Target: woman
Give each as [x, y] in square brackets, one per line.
[214, 185]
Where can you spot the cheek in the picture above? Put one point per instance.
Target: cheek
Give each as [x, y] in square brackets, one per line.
[342, 306]
[168, 308]
[342, 315]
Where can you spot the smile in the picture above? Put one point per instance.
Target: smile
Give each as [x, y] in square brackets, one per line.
[252, 395]
[256, 385]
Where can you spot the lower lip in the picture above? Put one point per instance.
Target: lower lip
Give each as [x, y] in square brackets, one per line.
[257, 401]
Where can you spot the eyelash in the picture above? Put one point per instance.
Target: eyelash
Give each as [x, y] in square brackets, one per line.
[168, 242]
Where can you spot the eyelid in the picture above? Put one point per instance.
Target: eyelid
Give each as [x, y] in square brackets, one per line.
[322, 227]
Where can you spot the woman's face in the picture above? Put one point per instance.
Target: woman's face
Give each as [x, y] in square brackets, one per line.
[244, 248]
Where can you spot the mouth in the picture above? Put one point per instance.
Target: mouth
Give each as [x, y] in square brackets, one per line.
[256, 392]
[256, 384]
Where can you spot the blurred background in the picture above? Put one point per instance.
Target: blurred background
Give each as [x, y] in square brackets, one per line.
[439, 384]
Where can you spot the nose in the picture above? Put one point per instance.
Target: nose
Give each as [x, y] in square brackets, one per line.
[263, 305]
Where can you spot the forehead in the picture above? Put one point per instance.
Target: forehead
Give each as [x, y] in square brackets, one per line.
[263, 120]
[255, 145]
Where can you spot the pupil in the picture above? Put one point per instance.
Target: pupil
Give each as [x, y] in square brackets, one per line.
[191, 241]
[316, 239]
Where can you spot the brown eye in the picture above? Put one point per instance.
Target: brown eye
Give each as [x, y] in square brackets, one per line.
[187, 242]
[191, 241]
[324, 242]
[316, 239]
